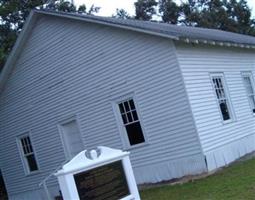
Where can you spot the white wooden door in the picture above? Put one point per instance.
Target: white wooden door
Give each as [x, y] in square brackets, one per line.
[72, 139]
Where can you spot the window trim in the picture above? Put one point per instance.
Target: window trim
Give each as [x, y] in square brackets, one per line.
[250, 74]
[22, 155]
[121, 126]
[227, 94]
[61, 133]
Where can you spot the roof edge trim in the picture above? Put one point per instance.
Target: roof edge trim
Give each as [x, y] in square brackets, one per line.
[216, 43]
[60, 14]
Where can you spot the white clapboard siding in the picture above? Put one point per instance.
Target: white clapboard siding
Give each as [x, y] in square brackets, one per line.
[68, 68]
[196, 63]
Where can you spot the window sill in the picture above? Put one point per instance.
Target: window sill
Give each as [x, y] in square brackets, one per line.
[32, 173]
[144, 144]
[228, 121]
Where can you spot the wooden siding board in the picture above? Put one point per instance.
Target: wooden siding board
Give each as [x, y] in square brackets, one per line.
[70, 68]
[197, 62]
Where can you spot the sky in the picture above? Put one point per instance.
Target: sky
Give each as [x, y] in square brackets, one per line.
[108, 7]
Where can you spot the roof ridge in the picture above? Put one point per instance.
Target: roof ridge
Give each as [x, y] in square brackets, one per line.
[124, 21]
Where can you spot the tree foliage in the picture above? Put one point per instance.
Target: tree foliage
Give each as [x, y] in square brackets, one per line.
[122, 14]
[170, 11]
[13, 14]
[145, 9]
[228, 15]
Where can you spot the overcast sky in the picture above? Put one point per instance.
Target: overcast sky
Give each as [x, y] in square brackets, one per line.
[108, 7]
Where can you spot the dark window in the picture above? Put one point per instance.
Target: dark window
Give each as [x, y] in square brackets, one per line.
[32, 162]
[221, 97]
[28, 154]
[131, 122]
[135, 133]
[3, 192]
[224, 110]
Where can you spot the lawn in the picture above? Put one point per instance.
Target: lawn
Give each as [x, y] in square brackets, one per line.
[236, 182]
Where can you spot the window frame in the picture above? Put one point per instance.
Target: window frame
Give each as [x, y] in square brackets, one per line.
[250, 75]
[121, 126]
[23, 156]
[227, 97]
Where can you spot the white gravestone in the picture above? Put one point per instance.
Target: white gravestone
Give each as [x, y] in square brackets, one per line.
[104, 173]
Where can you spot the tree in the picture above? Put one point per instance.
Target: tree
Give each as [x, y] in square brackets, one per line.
[122, 14]
[63, 6]
[228, 15]
[14, 13]
[239, 15]
[203, 13]
[7, 39]
[170, 11]
[145, 9]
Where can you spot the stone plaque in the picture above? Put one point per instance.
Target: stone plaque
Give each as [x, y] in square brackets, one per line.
[107, 182]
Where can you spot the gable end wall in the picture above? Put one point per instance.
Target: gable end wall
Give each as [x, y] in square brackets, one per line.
[68, 68]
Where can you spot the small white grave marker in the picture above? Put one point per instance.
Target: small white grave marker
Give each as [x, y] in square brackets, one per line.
[103, 174]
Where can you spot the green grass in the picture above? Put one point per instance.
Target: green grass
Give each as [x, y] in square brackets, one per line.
[236, 182]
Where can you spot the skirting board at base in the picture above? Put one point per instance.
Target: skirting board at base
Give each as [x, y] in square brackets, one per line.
[147, 174]
[39, 194]
[170, 169]
[228, 153]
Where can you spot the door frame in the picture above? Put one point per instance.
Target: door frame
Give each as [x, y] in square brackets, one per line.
[62, 137]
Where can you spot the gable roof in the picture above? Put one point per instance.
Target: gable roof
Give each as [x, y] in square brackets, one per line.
[174, 32]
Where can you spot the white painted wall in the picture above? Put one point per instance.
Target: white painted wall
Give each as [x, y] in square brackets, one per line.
[220, 142]
[71, 138]
[70, 68]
